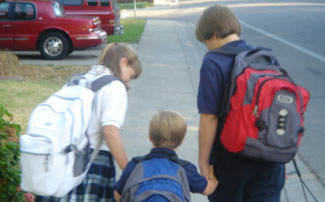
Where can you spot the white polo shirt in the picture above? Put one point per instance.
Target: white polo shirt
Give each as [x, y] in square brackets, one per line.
[109, 106]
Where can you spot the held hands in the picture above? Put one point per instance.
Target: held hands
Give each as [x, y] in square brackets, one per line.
[212, 182]
[212, 177]
[211, 174]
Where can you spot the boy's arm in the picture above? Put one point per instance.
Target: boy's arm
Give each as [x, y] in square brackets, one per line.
[122, 181]
[207, 132]
[114, 142]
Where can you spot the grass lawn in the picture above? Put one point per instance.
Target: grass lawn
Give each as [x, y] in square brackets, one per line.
[138, 5]
[133, 29]
[21, 97]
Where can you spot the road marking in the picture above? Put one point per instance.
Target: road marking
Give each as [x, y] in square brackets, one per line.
[302, 49]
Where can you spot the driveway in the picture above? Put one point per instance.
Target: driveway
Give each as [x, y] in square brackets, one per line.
[79, 57]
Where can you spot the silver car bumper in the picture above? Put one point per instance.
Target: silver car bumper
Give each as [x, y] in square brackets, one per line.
[103, 35]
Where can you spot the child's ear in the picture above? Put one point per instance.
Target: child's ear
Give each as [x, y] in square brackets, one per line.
[182, 142]
[123, 62]
[150, 138]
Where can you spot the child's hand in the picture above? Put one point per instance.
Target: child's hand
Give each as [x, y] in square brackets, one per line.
[211, 173]
[117, 196]
[212, 182]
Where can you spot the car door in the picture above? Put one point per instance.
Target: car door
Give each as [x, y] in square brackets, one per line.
[6, 29]
[25, 26]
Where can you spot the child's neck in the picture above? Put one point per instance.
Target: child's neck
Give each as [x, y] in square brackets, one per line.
[174, 149]
[228, 39]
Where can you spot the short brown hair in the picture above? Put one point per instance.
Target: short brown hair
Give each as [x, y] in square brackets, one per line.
[167, 129]
[112, 54]
[217, 20]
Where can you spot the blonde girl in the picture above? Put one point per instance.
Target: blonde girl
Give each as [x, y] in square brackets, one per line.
[109, 108]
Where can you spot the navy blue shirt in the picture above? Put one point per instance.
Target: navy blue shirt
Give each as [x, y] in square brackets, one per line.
[249, 177]
[214, 74]
[197, 183]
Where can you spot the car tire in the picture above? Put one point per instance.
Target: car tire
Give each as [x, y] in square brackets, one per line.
[69, 52]
[53, 46]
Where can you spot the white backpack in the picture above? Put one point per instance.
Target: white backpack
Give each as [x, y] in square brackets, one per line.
[55, 151]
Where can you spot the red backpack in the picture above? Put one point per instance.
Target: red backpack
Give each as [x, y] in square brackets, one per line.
[263, 108]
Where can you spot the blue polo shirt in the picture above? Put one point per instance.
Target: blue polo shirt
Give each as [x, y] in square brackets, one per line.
[240, 176]
[197, 183]
[215, 72]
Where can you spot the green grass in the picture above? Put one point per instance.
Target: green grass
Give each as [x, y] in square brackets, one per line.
[20, 97]
[133, 29]
[138, 5]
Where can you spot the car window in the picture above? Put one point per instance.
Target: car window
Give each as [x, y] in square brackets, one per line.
[58, 10]
[71, 2]
[24, 11]
[4, 11]
[104, 2]
[92, 2]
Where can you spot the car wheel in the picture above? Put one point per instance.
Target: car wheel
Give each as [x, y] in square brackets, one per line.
[69, 52]
[53, 46]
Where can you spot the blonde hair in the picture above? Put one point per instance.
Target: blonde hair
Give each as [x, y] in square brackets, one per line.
[217, 20]
[114, 52]
[167, 129]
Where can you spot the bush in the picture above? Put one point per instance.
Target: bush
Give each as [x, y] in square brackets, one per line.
[9, 159]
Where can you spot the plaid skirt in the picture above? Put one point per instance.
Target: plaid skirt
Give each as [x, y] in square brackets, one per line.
[98, 185]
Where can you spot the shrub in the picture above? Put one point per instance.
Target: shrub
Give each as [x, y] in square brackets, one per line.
[9, 159]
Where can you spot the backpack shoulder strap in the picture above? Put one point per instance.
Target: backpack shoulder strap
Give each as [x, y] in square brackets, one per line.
[167, 155]
[138, 159]
[182, 162]
[102, 81]
[95, 85]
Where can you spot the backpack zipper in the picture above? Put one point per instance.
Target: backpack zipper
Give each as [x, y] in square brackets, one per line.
[255, 111]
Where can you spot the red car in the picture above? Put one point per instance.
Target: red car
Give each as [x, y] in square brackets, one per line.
[41, 25]
[107, 10]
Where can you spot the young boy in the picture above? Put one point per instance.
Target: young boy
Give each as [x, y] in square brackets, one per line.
[166, 132]
[240, 179]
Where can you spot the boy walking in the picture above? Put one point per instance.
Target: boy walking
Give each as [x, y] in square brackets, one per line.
[161, 175]
[240, 179]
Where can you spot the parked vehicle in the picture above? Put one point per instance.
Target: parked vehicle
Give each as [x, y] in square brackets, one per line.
[107, 10]
[29, 25]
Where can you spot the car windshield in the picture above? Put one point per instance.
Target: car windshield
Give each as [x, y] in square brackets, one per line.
[58, 10]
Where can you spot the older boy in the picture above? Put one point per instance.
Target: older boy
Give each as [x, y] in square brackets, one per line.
[166, 132]
[240, 179]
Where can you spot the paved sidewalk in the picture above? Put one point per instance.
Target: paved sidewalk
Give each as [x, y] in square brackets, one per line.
[168, 82]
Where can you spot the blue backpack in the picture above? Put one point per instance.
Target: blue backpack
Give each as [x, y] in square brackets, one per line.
[156, 179]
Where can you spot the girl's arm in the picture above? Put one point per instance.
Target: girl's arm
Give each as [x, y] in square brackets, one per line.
[114, 142]
[117, 196]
